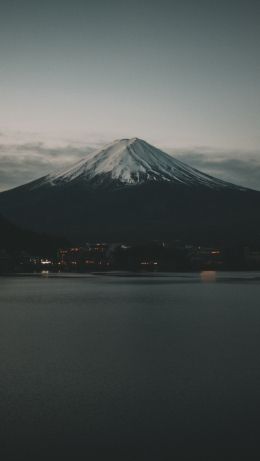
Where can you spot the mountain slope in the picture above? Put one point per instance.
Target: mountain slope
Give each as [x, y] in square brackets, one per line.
[15, 239]
[130, 190]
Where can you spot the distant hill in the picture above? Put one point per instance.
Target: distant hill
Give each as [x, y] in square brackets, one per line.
[13, 239]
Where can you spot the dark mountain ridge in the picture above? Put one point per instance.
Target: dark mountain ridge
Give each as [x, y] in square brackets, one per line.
[14, 240]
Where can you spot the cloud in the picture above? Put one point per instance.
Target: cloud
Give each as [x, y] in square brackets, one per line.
[21, 163]
[25, 156]
[239, 167]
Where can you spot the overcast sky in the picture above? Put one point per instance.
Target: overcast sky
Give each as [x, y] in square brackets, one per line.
[184, 75]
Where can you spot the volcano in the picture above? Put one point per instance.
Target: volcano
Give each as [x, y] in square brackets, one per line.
[130, 190]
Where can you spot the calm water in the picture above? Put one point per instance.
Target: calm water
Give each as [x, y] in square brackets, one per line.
[130, 368]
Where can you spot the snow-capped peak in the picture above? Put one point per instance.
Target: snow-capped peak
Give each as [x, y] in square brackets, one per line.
[133, 161]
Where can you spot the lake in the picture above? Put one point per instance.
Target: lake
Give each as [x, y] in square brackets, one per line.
[128, 367]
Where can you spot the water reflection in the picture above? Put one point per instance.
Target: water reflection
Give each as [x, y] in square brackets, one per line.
[208, 276]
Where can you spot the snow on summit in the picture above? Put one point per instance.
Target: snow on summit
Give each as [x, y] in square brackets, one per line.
[132, 161]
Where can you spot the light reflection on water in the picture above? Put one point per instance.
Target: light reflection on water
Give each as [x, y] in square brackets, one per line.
[208, 276]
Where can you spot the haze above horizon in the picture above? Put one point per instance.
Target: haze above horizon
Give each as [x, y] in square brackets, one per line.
[174, 72]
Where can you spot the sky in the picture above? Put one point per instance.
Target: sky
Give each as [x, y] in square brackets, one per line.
[183, 75]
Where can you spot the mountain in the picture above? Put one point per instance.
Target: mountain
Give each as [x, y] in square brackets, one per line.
[14, 239]
[130, 190]
[129, 162]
